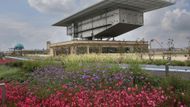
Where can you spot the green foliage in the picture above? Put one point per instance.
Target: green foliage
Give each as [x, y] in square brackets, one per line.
[188, 63]
[164, 62]
[115, 58]
[139, 76]
[176, 82]
[176, 86]
[19, 71]
[155, 62]
[29, 66]
[154, 80]
[18, 64]
[179, 63]
[12, 74]
[135, 67]
[47, 89]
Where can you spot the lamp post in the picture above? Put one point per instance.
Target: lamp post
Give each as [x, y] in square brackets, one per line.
[169, 57]
[139, 47]
[160, 44]
[150, 55]
[170, 49]
[188, 48]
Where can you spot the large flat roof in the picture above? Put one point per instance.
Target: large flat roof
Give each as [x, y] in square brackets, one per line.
[106, 5]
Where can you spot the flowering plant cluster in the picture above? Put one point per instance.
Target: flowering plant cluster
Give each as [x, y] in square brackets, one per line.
[5, 61]
[20, 95]
[97, 86]
[91, 76]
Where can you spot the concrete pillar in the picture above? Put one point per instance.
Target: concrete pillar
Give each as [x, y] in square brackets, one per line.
[72, 50]
[100, 49]
[51, 51]
[132, 49]
[88, 49]
[54, 52]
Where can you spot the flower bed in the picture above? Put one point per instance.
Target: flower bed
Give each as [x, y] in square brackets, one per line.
[21, 96]
[92, 86]
[5, 61]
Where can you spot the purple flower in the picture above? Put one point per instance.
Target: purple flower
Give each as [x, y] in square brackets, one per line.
[86, 71]
[85, 77]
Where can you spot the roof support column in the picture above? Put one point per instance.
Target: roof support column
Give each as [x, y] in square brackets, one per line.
[51, 51]
[88, 49]
[73, 50]
[100, 49]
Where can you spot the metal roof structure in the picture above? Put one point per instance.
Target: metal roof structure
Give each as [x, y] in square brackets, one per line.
[106, 5]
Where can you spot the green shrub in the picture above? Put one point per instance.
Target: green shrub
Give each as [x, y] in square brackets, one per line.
[179, 87]
[187, 63]
[178, 63]
[176, 82]
[12, 74]
[18, 64]
[154, 80]
[160, 62]
[29, 66]
[139, 76]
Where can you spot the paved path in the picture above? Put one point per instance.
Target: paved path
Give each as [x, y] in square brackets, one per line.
[161, 68]
[17, 58]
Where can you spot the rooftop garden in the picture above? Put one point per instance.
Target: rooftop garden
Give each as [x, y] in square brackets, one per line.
[89, 81]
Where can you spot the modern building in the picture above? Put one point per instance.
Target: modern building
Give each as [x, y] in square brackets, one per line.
[105, 20]
[87, 47]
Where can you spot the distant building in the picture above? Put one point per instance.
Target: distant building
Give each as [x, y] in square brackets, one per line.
[26, 52]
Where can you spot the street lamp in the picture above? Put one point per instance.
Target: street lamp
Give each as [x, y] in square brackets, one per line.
[160, 44]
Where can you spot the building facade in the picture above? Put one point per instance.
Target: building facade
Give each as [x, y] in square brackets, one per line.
[105, 20]
[89, 47]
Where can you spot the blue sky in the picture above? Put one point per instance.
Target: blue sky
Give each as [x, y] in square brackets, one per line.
[29, 22]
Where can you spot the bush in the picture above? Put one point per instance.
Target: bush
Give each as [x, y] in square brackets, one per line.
[30, 66]
[178, 63]
[139, 76]
[177, 87]
[18, 64]
[12, 74]
[188, 63]
[175, 82]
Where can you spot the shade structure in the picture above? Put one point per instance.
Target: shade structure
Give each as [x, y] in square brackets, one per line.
[105, 5]
[110, 18]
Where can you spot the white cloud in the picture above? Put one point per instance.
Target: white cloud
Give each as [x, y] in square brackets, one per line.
[177, 20]
[65, 7]
[171, 22]
[32, 37]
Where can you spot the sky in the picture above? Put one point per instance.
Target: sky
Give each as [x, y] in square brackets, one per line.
[29, 22]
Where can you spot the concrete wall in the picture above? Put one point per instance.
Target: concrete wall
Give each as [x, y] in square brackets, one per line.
[97, 24]
[131, 17]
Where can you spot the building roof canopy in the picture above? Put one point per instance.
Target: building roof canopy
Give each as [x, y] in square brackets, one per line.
[106, 5]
